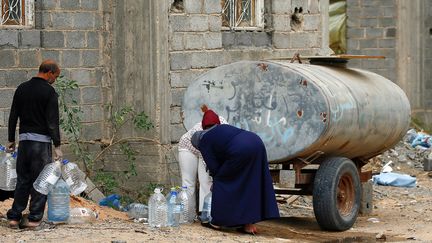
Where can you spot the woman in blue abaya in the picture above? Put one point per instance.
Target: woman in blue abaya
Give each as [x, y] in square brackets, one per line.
[242, 192]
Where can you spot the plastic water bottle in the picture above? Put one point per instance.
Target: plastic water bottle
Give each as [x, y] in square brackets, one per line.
[8, 175]
[137, 211]
[48, 177]
[82, 216]
[71, 174]
[174, 208]
[157, 209]
[186, 211]
[2, 152]
[58, 202]
[206, 212]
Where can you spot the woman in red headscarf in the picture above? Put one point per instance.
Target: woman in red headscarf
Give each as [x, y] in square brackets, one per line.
[242, 192]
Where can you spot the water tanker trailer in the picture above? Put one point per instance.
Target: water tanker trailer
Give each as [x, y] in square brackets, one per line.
[323, 122]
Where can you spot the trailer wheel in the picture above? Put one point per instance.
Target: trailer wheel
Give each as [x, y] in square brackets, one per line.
[336, 194]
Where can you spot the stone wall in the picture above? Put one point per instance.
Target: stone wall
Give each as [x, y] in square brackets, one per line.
[69, 32]
[371, 30]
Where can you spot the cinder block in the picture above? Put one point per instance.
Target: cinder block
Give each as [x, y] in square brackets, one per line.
[212, 7]
[215, 23]
[194, 41]
[90, 58]
[93, 39]
[281, 6]
[281, 22]
[180, 61]
[91, 95]
[213, 40]
[84, 21]
[312, 22]
[70, 4]
[9, 38]
[49, 4]
[177, 131]
[199, 23]
[366, 203]
[243, 38]
[6, 96]
[83, 76]
[177, 97]
[75, 39]
[28, 58]
[62, 20]
[7, 58]
[30, 38]
[228, 39]
[175, 114]
[193, 6]
[180, 23]
[52, 39]
[287, 178]
[261, 39]
[90, 5]
[70, 58]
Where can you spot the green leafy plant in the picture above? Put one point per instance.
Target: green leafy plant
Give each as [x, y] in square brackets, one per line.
[70, 122]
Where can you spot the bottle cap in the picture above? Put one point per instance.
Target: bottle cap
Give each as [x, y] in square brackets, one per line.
[157, 190]
[65, 161]
[184, 187]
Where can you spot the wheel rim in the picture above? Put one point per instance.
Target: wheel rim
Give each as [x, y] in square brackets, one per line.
[345, 194]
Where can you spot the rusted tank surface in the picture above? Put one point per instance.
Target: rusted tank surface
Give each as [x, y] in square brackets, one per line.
[299, 109]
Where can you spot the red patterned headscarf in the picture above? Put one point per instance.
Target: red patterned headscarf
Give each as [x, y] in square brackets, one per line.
[210, 118]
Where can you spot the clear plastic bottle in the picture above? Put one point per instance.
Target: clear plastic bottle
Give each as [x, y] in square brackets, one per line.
[8, 175]
[206, 212]
[72, 175]
[174, 208]
[58, 202]
[82, 216]
[137, 211]
[186, 211]
[157, 209]
[48, 177]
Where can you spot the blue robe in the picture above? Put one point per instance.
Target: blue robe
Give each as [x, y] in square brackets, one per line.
[242, 186]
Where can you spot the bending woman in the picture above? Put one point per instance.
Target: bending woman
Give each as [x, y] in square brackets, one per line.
[242, 186]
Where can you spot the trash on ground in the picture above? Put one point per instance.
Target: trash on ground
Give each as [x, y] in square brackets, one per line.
[394, 179]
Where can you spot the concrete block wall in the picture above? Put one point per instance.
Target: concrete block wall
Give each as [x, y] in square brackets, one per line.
[371, 30]
[69, 32]
[198, 42]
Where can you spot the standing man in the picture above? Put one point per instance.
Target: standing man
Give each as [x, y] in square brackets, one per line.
[35, 103]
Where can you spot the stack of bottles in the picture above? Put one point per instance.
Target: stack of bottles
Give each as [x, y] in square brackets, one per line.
[58, 180]
[172, 210]
[52, 172]
[8, 175]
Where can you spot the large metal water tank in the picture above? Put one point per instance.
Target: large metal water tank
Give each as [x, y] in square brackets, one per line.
[298, 109]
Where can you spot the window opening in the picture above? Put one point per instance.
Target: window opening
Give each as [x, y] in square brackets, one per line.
[16, 13]
[242, 14]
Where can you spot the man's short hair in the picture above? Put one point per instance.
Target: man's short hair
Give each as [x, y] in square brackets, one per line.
[46, 67]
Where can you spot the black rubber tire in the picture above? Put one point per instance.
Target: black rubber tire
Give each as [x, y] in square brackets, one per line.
[332, 212]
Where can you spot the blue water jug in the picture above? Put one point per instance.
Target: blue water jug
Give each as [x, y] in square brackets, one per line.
[58, 202]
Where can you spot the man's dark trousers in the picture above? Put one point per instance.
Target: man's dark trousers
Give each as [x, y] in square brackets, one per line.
[32, 157]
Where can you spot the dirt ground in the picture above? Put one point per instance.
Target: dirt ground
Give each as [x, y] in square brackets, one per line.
[399, 215]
